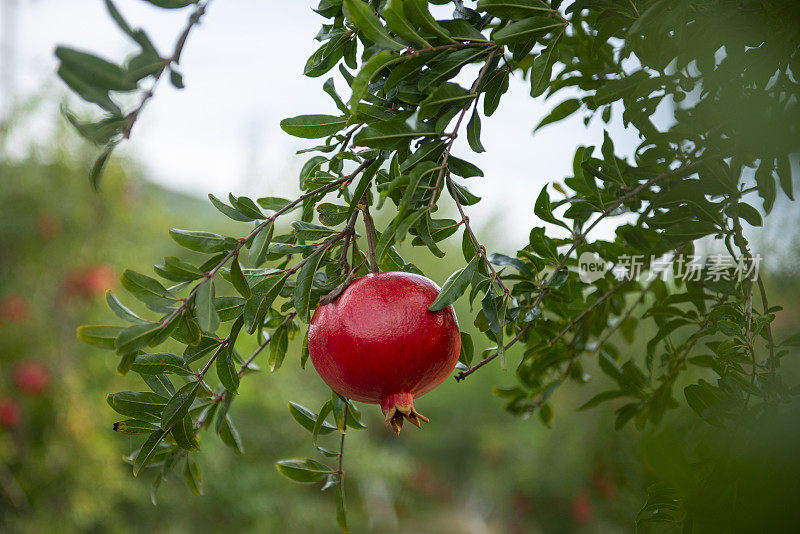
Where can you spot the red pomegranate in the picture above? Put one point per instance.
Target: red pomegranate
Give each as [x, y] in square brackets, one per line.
[13, 309]
[89, 282]
[581, 509]
[10, 413]
[31, 377]
[379, 343]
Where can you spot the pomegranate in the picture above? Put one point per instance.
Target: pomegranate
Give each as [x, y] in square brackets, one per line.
[379, 343]
[13, 309]
[10, 414]
[581, 509]
[31, 377]
[89, 282]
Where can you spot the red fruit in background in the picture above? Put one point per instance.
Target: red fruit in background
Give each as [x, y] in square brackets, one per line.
[89, 282]
[581, 509]
[379, 343]
[13, 309]
[10, 414]
[32, 377]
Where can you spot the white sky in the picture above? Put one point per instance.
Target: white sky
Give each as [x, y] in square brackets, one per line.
[243, 73]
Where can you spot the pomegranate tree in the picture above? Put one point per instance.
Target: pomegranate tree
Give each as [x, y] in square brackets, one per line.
[379, 343]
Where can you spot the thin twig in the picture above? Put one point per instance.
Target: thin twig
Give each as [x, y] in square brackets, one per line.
[587, 311]
[175, 58]
[472, 91]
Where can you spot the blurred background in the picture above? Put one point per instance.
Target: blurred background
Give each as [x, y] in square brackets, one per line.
[474, 469]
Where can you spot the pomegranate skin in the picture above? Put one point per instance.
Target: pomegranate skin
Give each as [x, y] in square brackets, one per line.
[378, 342]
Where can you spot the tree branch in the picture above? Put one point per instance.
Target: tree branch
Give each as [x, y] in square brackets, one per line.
[175, 58]
[323, 189]
[581, 238]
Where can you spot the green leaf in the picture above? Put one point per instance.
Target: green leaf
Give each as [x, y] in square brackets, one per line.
[178, 405]
[447, 65]
[89, 92]
[313, 126]
[474, 132]
[246, 206]
[369, 25]
[330, 87]
[766, 185]
[304, 469]
[784, 171]
[238, 280]
[278, 347]
[465, 197]
[160, 385]
[146, 289]
[226, 371]
[228, 211]
[600, 398]
[396, 21]
[134, 427]
[320, 423]
[308, 419]
[467, 349]
[447, 94]
[263, 295]
[391, 133]
[331, 214]
[147, 451]
[561, 111]
[122, 311]
[495, 86]
[100, 165]
[544, 210]
[417, 12]
[341, 510]
[542, 68]
[750, 214]
[523, 29]
[368, 71]
[199, 241]
[204, 307]
[274, 203]
[462, 168]
[230, 436]
[454, 286]
[159, 363]
[94, 70]
[191, 474]
[144, 405]
[101, 336]
[177, 270]
[305, 279]
[513, 9]
[172, 4]
[184, 434]
[260, 246]
[136, 337]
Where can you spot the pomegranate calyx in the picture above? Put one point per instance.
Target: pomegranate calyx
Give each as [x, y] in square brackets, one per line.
[399, 407]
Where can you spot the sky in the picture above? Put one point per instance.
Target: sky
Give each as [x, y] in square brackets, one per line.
[243, 73]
